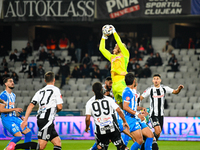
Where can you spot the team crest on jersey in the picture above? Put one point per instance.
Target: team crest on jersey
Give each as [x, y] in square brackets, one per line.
[128, 98]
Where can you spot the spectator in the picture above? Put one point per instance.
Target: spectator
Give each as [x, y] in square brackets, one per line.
[29, 49]
[171, 59]
[53, 60]
[23, 55]
[85, 71]
[4, 64]
[1, 80]
[87, 60]
[150, 60]
[150, 49]
[78, 48]
[43, 55]
[177, 41]
[91, 46]
[191, 44]
[138, 71]
[65, 72]
[142, 51]
[72, 52]
[158, 60]
[40, 72]
[3, 51]
[51, 43]
[137, 56]
[75, 72]
[146, 71]
[24, 67]
[13, 57]
[174, 66]
[168, 48]
[64, 42]
[132, 65]
[96, 73]
[130, 48]
[42, 46]
[15, 77]
[33, 64]
[5, 75]
[31, 73]
[136, 46]
[17, 54]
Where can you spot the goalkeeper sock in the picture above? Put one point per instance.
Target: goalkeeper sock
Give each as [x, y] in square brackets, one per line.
[28, 145]
[57, 148]
[155, 145]
[148, 144]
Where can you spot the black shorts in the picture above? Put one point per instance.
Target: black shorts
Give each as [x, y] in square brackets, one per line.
[103, 139]
[157, 121]
[48, 133]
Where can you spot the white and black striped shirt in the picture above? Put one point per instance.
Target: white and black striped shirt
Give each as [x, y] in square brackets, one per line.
[157, 99]
[102, 111]
[48, 98]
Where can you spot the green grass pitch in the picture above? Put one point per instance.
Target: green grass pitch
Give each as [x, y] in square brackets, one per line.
[86, 144]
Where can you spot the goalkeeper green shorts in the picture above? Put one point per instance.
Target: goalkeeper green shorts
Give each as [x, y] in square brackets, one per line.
[118, 88]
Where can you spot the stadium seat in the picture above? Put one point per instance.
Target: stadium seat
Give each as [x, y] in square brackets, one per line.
[21, 105]
[184, 100]
[179, 105]
[170, 75]
[38, 87]
[25, 93]
[80, 81]
[66, 87]
[22, 87]
[72, 82]
[173, 81]
[32, 93]
[197, 114]
[62, 92]
[149, 80]
[55, 70]
[89, 88]
[182, 93]
[74, 87]
[183, 69]
[68, 93]
[169, 99]
[91, 93]
[193, 99]
[194, 58]
[178, 75]
[166, 81]
[30, 87]
[188, 106]
[197, 93]
[142, 81]
[94, 58]
[78, 100]
[64, 53]
[85, 99]
[191, 113]
[72, 105]
[176, 99]
[190, 93]
[166, 112]
[70, 100]
[182, 113]
[196, 106]
[191, 52]
[192, 87]
[191, 69]
[173, 112]
[146, 105]
[27, 100]
[76, 93]
[84, 93]
[18, 93]
[19, 99]
[80, 106]
[82, 87]
[196, 64]
[176, 52]
[102, 64]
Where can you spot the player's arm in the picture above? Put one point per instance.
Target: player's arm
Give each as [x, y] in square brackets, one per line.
[59, 100]
[103, 50]
[87, 122]
[145, 94]
[180, 87]
[125, 124]
[3, 102]
[5, 110]
[59, 107]
[121, 45]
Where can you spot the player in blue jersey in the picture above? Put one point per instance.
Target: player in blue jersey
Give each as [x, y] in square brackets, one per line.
[133, 117]
[10, 120]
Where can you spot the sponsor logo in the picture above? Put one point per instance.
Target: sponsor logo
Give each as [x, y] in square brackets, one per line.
[155, 123]
[107, 128]
[48, 136]
[159, 96]
[39, 133]
[11, 103]
[105, 123]
[128, 98]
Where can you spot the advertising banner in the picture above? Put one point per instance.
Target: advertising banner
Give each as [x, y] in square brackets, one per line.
[195, 7]
[48, 10]
[141, 8]
[72, 127]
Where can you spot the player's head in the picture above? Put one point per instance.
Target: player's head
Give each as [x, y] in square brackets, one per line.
[108, 83]
[49, 77]
[9, 83]
[156, 79]
[130, 79]
[117, 50]
[98, 90]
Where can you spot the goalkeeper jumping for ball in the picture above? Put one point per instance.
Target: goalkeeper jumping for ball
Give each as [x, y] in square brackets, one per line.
[119, 62]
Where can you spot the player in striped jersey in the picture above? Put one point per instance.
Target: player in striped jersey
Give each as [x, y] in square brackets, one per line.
[156, 94]
[10, 120]
[101, 108]
[133, 117]
[50, 101]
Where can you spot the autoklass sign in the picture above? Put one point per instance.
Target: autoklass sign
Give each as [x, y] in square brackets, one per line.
[52, 10]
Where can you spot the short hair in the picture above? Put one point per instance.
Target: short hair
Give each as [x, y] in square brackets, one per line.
[157, 75]
[108, 78]
[49, 76]
[129, 78]
[6, 79]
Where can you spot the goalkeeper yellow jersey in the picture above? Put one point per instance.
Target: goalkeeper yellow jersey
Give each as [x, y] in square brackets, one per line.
[119, 62]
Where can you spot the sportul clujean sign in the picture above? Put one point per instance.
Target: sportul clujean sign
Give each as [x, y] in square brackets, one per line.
[72, 127]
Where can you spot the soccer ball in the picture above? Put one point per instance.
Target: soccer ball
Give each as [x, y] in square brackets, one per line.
[107, 30]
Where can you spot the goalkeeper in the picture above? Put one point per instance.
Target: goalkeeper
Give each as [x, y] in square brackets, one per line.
[119, 62]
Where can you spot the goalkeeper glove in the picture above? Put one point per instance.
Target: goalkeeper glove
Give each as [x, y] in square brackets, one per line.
[113, 29]
[104, 37]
